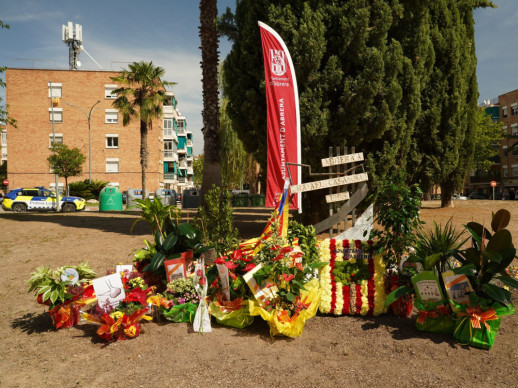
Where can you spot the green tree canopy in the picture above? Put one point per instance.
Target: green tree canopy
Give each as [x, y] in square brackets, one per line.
[65, 161]
[141, 98]
[487, 141]
[356, 86]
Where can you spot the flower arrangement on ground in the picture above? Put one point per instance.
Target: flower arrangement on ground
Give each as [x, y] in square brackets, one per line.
[63, 290]
[353, 280]
[286, 293]
[179, 301]
[123, 321]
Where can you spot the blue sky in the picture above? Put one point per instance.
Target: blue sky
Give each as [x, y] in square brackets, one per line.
[166, 31]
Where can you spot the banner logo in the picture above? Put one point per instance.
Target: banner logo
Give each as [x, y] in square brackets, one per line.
[277, 62]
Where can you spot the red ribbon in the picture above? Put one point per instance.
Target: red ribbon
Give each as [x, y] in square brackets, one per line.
[477, 316]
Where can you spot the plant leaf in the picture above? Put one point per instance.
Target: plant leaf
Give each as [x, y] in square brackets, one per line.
[500, 241]
[496, 293]
[290, 297]
[397, 293]
[500, 220]
[170, 241]
[431, 260]
[468, 270]
[157, 261]
[508, 281]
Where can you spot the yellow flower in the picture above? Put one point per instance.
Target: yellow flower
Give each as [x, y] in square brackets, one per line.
[365, 297]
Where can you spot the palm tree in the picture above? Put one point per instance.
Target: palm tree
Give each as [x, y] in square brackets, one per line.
[209, 66]
[141, 97]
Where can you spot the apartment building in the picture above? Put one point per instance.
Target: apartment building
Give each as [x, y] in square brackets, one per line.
[115, 149]
[509, 156]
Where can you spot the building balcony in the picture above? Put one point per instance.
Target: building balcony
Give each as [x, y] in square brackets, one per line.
[190, 171]
[170, 156]
[170, 134]
[170, 176]
[182, 165]
[181, 150]
[182, 179]
[182, 131]
[168, 109]
[189, 143]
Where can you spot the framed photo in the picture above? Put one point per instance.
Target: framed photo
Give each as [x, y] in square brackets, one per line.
[109, 291]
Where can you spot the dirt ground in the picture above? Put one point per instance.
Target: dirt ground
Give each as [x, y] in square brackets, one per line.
[332, 351]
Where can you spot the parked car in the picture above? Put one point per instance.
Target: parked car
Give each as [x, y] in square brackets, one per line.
[475, 195]
[39, 198]
[460, 196]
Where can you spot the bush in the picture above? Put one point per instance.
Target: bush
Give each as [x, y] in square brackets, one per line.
[87, 190]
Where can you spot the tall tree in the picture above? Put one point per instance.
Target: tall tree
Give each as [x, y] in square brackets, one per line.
[66, 162]
[487, 141]
[356, 86]
[445, 130]
[141, 98]
[209, 65]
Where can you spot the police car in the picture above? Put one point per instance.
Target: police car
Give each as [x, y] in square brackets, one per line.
[39, 198]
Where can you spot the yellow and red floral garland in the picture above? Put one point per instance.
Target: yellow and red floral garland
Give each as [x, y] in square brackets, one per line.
[367, 297]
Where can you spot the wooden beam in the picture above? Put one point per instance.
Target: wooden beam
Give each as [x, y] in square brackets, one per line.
[342, 159]
[346, 208]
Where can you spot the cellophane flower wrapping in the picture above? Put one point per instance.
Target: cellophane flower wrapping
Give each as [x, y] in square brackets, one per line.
[279, 321]
[434, 317]
[234, 316]
[354, 296]
[466, 331]
[180, 313]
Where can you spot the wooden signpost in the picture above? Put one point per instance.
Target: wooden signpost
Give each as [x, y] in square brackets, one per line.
[347, 183]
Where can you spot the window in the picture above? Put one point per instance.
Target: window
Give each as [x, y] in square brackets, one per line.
[58, 139]
[168, 127]
[504, 129]
[4, 137]
[112, 116]
[506, 172]
[108, 89]
[504, 111]
[514, 129]
[514, 109]
[57, 114]
[514, 171]
[56, 90]
[112, 165]
[112, 141]
[514, 152]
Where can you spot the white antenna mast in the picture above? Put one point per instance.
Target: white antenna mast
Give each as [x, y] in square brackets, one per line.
[74, 40]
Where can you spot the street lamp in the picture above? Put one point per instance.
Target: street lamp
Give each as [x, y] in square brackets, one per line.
[88, 115]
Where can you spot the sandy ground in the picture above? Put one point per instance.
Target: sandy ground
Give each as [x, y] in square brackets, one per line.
[332, 351]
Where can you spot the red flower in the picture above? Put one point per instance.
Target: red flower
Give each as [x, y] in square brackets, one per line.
[249, 267]
[199, 272]
[287, 278]
[299, 267]
[296, 254]
[220, 260]
[275, 248]
[247, 258]
[136, 295]
[236, 255]
[214, 283]
[232, 275]
[231, 265]
[286, 250]
[278, 257]
[203, 280]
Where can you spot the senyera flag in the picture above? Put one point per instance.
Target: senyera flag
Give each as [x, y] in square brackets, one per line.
[283, 118]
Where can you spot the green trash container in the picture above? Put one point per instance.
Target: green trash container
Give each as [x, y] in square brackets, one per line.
[240, 200]
[258, 200]
[110, 199]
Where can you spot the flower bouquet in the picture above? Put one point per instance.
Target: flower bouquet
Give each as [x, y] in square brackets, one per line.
[352, 281]
[179, 301]
[63, 290]
[286, 294]
[229, 290]
[123, 321]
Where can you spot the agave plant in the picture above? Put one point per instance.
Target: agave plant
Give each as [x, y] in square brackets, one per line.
[488, 257]
[437, 246]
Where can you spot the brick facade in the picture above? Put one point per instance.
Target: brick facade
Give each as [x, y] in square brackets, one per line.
[27, 94]
[509, 119]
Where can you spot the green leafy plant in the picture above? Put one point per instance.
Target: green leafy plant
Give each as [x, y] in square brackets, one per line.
[307, 240]
[346, 272]
[47, 282]
[488, 258]
[214, 219]
[155, 213]
[398, 216]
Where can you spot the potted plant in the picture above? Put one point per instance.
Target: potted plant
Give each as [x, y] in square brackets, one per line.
[485, 264]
